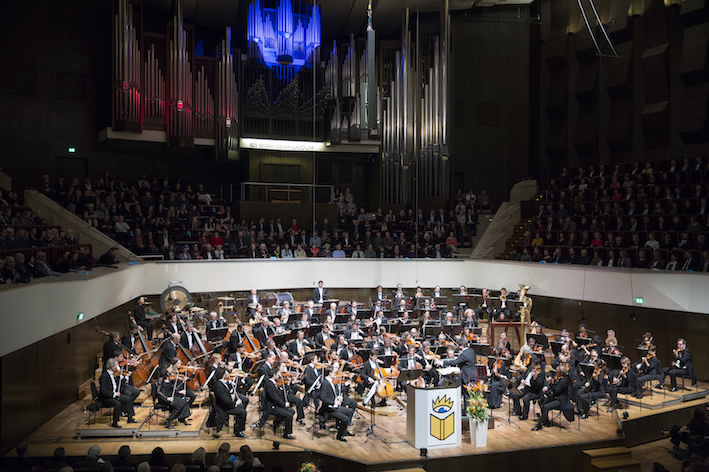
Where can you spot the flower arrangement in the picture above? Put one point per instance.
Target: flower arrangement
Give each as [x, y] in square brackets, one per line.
[308, 467]
[477, 404]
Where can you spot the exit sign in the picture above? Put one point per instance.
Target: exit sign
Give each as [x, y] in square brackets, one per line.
[639, 300]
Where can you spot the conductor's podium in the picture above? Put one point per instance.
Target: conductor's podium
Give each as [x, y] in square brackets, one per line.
[433, 417]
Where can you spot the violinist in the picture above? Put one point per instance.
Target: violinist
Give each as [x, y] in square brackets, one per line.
[129, 338]
[236, 384]
[682, 365]
[242, 363]
[646, 340]
[310, 376]
[333, 397]
[523, 359]
[276, 402]
[111, 392]
[484, 309]
[215, 361]
[649, 368]
[529, 385]
[428, 360]
[624, 382]
[564, 337]
[610, 347]
[214, 322]
[112, 347]
[556, 397]
[582, 331]
[498, 372]
[229, 403]
[140, 319]
[506, 341]
[171, 392]
[299, 346]
[177, 366]
[593, 389]
[269, 363]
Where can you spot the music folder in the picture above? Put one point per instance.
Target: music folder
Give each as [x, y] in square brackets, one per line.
[539, 339]
[453, 329]
[218, 333]
[387, 360]
[406, 375]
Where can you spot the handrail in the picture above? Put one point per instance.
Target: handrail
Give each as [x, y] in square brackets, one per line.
[285, 185]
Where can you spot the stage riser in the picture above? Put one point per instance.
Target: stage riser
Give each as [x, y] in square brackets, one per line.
[650, 428]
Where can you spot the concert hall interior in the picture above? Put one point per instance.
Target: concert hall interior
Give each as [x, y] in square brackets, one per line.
[371, 235]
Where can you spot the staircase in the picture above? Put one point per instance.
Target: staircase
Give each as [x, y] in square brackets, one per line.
[466, 251]
[610, 459]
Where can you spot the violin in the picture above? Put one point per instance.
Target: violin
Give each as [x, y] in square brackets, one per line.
[596, 372]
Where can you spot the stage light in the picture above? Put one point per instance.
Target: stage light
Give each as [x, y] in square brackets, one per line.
[276, 445]
[72, 149]
[424, 452]
[80, 316]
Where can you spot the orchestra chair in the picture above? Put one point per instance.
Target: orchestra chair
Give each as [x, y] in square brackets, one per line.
[160, 410]
[96, 407]
[560, 414]
[265, 415]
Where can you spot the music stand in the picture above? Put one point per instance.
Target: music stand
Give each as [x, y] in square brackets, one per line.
[280, 339]
[612, 361]
[407, 375]
[218, 333]
[387, 360]
[371, 398]
[510, 388]
[431, 331]
[583, 341]
[555, 347]
[452, 330]
[539, 339]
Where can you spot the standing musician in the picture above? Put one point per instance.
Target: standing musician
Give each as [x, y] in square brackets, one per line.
[498, 373]
[485, 308]
[140, 319]
[320, 293]
[112, 348]
[556, 397]
[112, 392]
[275, 402]
[333, 398]
[128, 339]
[593, 389]
[228, 402]
[649, 368]
[169, 350]
[529, 385]
[299, 346]
[625, 382]
[682, 365]
[169, 393]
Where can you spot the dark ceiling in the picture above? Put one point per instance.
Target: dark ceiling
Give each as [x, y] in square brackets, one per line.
[339, 17]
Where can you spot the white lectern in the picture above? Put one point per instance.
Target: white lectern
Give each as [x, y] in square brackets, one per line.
[433, 417]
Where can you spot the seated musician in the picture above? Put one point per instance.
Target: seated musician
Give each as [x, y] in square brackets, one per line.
[524, 358]
[275, 402]
[169, 350]
[268, 365]
[463, 290]
[242, 363]
[352, 308]
[332, 312]
[411, 360]
[277, 326]
[128, 339]
[448, 321]
[485, 308]
[262, 331]
[682, 365]
[506, 341]
[498, 373]
[400, 309]
[369, 375]
[625, 382]
[173, 326]
[177, 366]
[298, 347]
[379, 295]
[428, 360]
[564, 337]
[171, 391]
[191, 339]
[419, 293]
[270, 348]
[377, 308]
[649, 369]
[387, 348]
[466, 335]
[556, 397]
[610, 346]
[229, 402]
[582, 331]
[324, 339]
[593, 389]
[112, 347]
[310, 311]
[348, 353]
[215, 361]
[113, 392]
[450, 354]
[341, 345]
[354, 333]
[311, 374]
[253, 300]
[503, 311]
[334, 404]
[469, 320]
[214, 322]
[529, 385]
[399, 292]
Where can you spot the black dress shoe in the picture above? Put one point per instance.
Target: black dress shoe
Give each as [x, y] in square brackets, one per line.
[240, 435]
[300, 422]
[184, 422]
[347, 433]
[673, 389]
[254, 425]
[584, 416]
[288, 436]
[133, 420]
[522, 417]
[169, 425]
[322, 426]
[116, 425]
[340, 438]
[660, 386]
[537, 427]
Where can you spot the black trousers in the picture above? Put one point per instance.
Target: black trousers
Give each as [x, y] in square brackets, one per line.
[147, 326]
[497, 390]
[673, 372]
[585, 399]
[239, 414]
[124, 404]
[644, 378]
[614, 391]
[547, 407]
[285, 416]
[676, 438]
[298, 404]
[526, 399]
[343, 415]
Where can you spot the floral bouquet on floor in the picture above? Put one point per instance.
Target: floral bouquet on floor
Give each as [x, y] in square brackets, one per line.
[477, 404]
[308, 467]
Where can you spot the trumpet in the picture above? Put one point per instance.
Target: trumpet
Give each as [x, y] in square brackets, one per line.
[503, 298]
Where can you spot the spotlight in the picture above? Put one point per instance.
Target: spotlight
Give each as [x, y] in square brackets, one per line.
[424, 452]
[276, 445]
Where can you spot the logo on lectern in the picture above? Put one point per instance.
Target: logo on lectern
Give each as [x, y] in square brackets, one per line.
[442, 419]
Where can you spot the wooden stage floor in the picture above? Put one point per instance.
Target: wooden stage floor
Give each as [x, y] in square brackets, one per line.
[505, 442]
